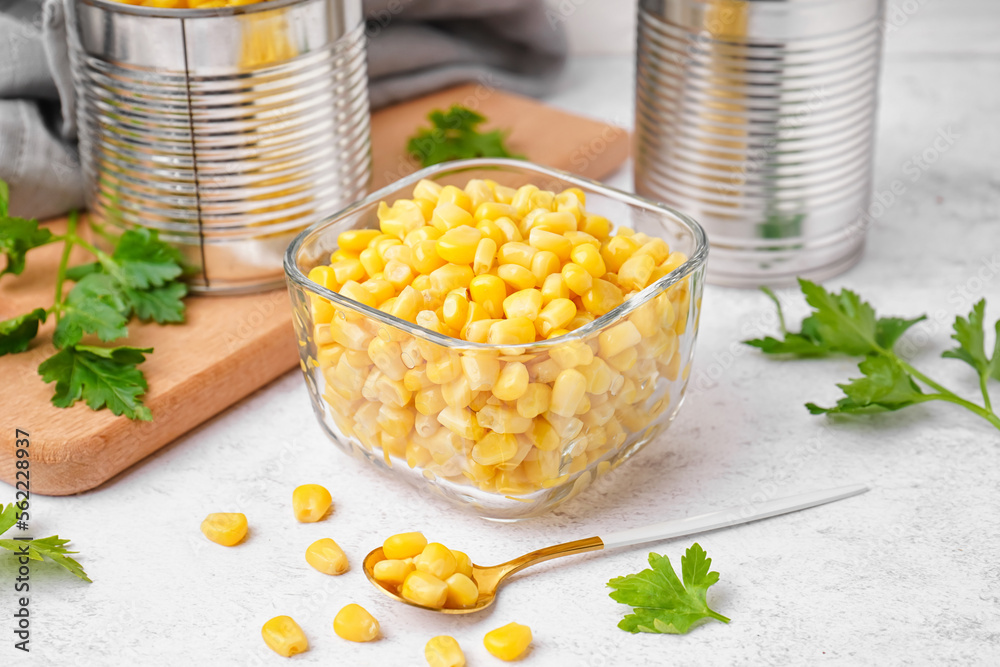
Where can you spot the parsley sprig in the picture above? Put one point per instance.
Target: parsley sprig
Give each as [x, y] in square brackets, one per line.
[453, 136]
[53, 548]
[139, 278]
[661, 602]
[844, 324]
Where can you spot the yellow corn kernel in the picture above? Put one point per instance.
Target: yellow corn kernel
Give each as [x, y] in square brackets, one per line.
[479, 331]
[515, 331]
[494, 210]
[494, 449]
[356, 240]
[398, 253]
[311, 502]
[554, 287]
[516, 276]
[425, 256]
[455, 310]
[508, 642]
[355, 624]
[583, 238]
[645, 320]
[534, 401]
[590, 259]
[624, 360]
[598, 375]
[516, 253]
[460, 421]
[387, 357]
[479, 193]
[655, 248]
[449, 216]
[399, 274]
[464, 563]
[672, 262]
[503, 194]
[444, 651]
[571, 354]
[567, 392]
[522, 199]
[490, 230]
[635, 273]
[544, 436]
[426, 207]
[380, 289]
[543, 265]
[356, 292]
[407, 304]
[403, 545]
[457, 196]
[489, 292]
[512, 381]
[323, 275]
[596, 225]
[392, 571]
[225, 528]
[617, 250]
[425, 233]
[552, 242]
[555, 315]
[395, 421]
[326, 556]
[558, 222]
[486, 252]
[602, 298]
[436, 559]
[502, 419]
[523, 303]
[450, 277]
[424, 589]
[482, 370]
[371, 261]
[340, 254]
[510, 232]
[462, 592]
[347, 269]
[284, 636]
[402, 218]
[577, 278]
[458, 245]
[426, 189]
[618, 339]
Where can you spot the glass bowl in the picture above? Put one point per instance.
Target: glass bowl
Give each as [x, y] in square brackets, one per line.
[419, 404]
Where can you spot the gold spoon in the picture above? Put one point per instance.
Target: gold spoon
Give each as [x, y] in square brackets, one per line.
[489, 578]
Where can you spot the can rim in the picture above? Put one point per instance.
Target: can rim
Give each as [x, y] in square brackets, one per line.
[162, 12]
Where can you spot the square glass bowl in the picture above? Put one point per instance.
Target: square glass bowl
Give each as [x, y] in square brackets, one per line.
[420, 405]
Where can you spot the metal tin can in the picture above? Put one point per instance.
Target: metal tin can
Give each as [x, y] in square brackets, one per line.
[757, 118]
[226, 130]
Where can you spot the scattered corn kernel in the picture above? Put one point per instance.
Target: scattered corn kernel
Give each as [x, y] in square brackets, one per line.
[227, 529]
[326, 556]
[355, 624]
[284, 636]
[310, 502]
[508, 642]
[444, 651]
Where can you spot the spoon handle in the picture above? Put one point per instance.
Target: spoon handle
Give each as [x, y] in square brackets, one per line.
[728, 517]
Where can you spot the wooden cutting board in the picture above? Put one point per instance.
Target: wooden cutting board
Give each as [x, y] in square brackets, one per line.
[231, 346]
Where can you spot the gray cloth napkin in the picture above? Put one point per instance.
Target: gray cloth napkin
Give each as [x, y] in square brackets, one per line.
[415, 46]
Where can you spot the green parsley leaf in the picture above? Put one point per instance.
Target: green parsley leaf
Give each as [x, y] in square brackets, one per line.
[16, 333]
[453, 136]
[885, 386]
[94, 305]
[160, 304]
[661, 602]
[52, 547]
[971, 338]
[144, 261]
[17, 237]
[101, 376]
[80, 271]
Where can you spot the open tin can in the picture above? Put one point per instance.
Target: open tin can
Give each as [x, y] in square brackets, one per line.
[757, 118]
[226, 130]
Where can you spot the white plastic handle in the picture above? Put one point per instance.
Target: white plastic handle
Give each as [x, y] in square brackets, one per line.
[728, 517]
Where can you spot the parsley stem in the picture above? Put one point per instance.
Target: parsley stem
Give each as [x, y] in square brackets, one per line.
[68, 241]
[945, 394]
[718, 617]
[983, 379]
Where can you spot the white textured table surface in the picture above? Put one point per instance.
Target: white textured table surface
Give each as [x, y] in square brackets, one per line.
[906, 574]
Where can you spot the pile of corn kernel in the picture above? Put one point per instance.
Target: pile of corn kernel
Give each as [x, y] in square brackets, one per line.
[427, 574]
[493, 264]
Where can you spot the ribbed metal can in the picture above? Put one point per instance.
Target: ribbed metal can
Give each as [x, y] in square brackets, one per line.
[757, 118]
[226, 130]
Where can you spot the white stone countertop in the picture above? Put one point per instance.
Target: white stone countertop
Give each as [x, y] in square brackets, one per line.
[906, 574]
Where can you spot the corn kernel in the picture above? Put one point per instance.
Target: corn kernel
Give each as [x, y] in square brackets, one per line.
[489, 292]
[494, 449]
[394, 420]
[399, 274]
[392, 571]
[508, 642]
[479, 193]
[462, 592]
[494, 210]
[571, 354]
[523, 303]
[449, 216]
[490, 230]
[557, 244]
[617, 250]
[482, 369]
[602, 298]
[555, 315]
[618, 338]
[478, 332]
[578, 280]
[327, 557]
[355, 624]
[516, 331]
[227, 529]
[424, 589]
[655, 248]
[348, 269]
[311, 502]
[590, 259]
[464, 563]
[624, 360]
[323, 275]
[502, 419]
[516, 276]
[522, 199]
[567, 392]
[486, 252]
[544, 436]
[598, 376]
[403, 217]
[510, 232]
[512, 381]
[284, 636]
[635, 272]
[403, 545]
[458, 245]
[461, 421]
[557, 222]
[356, 240]
[426, 189]
[457, 196]
[554, 287]
[534, 401]
[516, 253]
[436, 559]
[444, 651]
[451, 276]
[596, 225]
[455, 310]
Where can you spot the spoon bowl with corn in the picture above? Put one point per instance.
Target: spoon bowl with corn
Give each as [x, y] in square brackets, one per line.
[433, 577]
